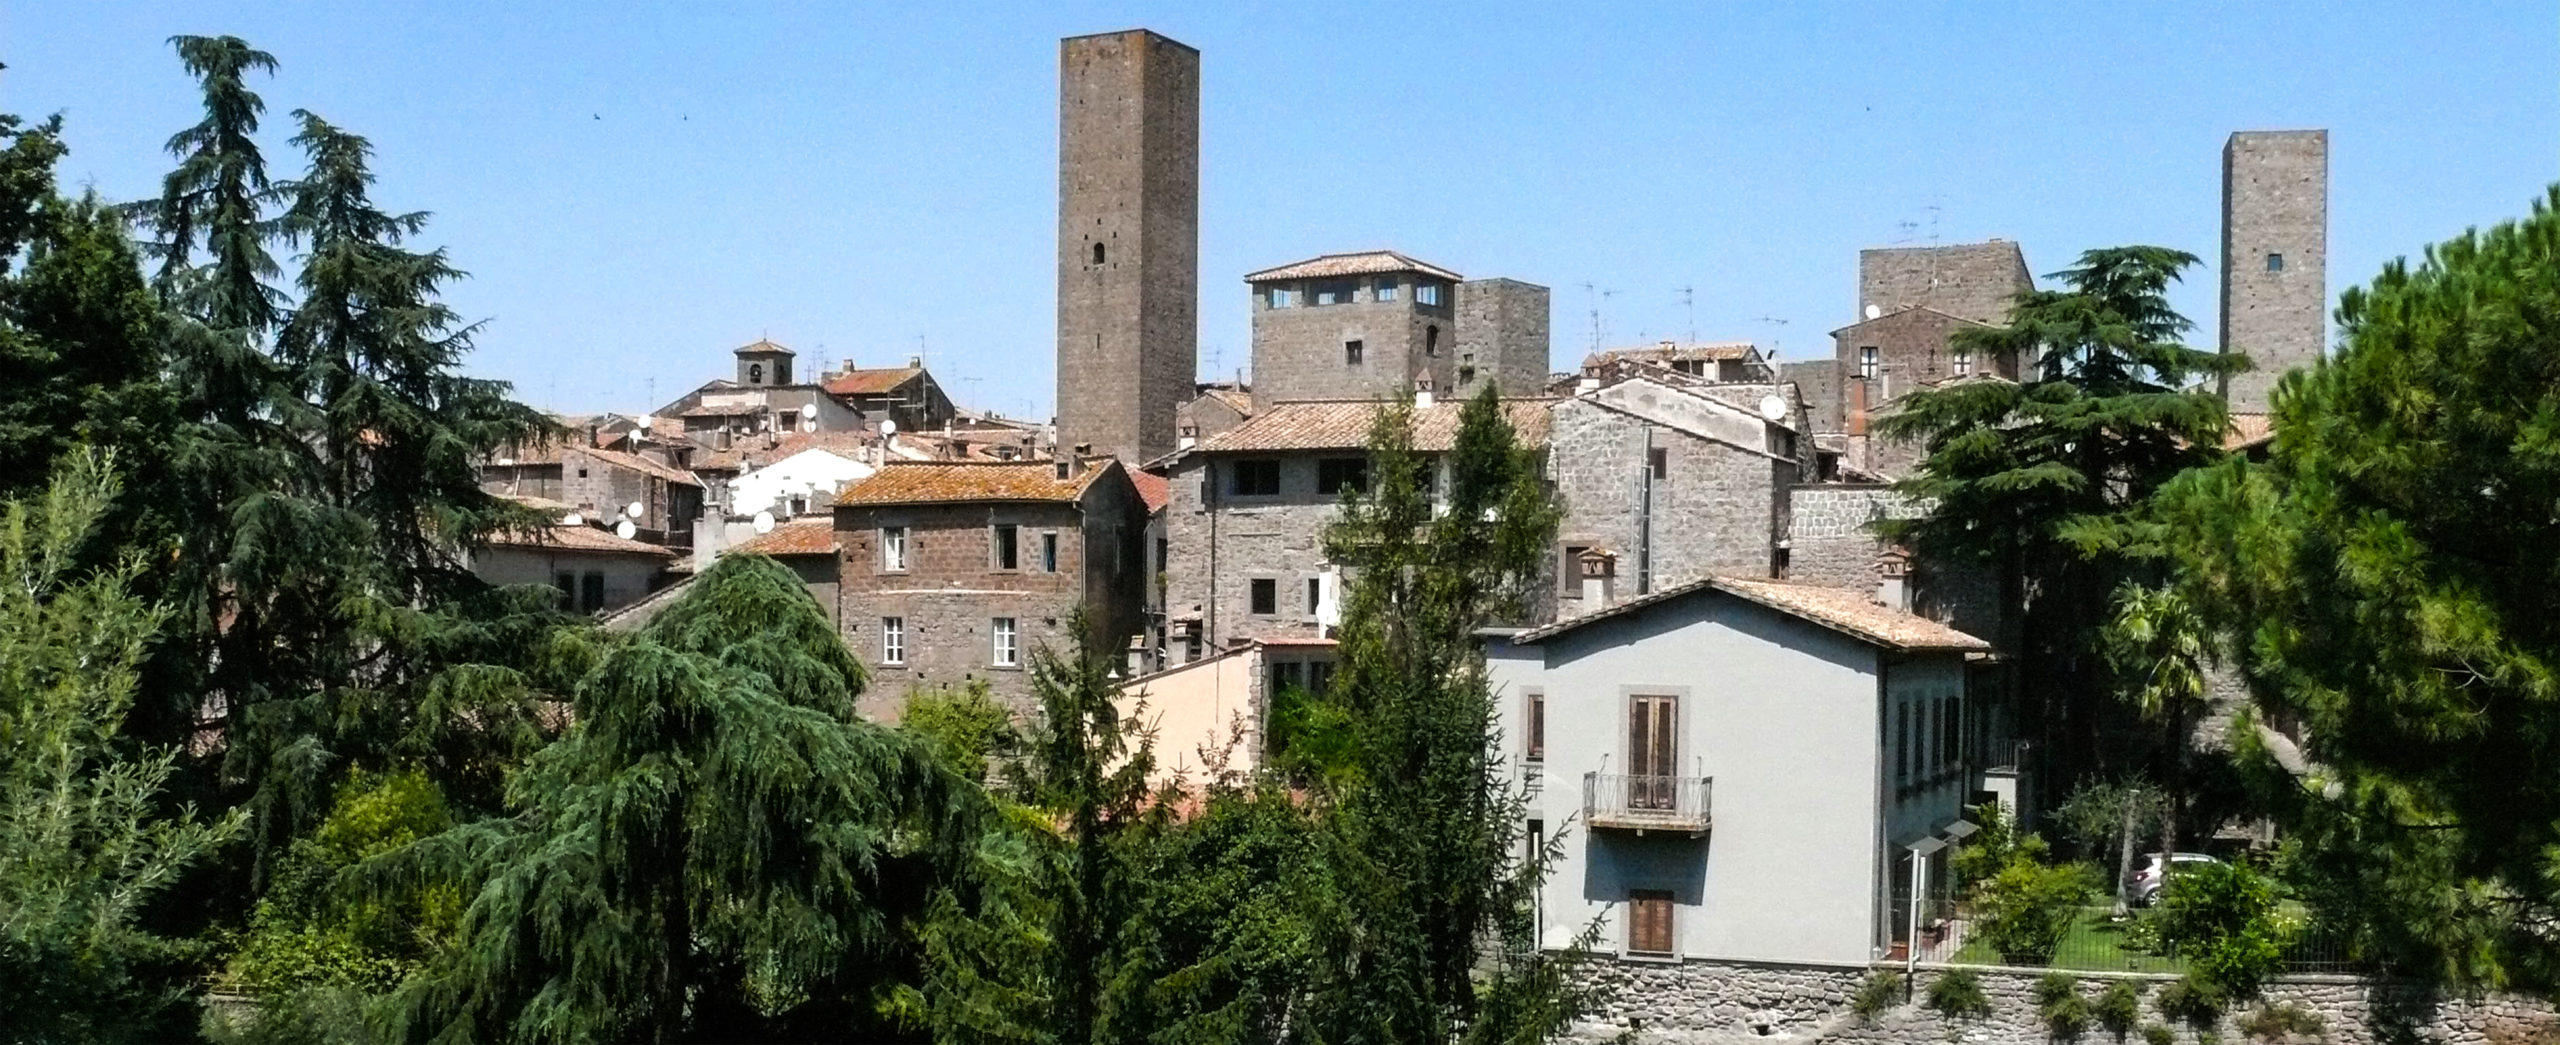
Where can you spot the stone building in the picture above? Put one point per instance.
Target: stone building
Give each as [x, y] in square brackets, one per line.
[1975, 281]
[1371, 325]
[907, 394]
[1218, 407]
[1502, 337]
[602, 485]
[808, 547]
[1890, 356]
[595, 571]
[954, 571]
[1674, 483]
[1249, 506]
[762, 399]
[1910, 301]
[1128, 240]
[2275, 257]
[1718, 361]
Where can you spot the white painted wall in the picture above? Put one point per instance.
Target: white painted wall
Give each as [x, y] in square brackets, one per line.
[1782, 713]
[814, 473]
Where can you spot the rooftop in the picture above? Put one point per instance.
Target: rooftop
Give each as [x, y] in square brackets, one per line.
[1851, 612]
[814, 535]
[1154, 491]
[761, 347]
[944, 482]
[1668, 351]
[1363, 263]
[577, 539]
[641, 464]
[1344, 425]
[877, 381]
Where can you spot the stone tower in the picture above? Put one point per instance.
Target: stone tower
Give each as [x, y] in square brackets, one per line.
[1353, 326]
[2275, 257]
[1128, 240]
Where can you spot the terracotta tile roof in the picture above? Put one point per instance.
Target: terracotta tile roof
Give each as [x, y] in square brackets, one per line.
[1849, 611]
[643, 465]
[539, 504]
[760, 346]
[732, 410]
[869, 382]
[579, 539]
[1237, 399]
[2248, 430]
[1666, 351]
[1344, 425]
[1364, 263]
[815, 535]
[943, 482]
[1154, 491]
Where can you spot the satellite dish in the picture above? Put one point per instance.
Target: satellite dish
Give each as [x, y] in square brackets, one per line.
[624, 529]
[1773, 407]
[634, 509]
[573, 519]
[1874, 311]
[764, 522]
[888, 428]
[809, 411]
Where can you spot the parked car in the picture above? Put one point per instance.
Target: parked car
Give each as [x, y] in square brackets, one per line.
[2146, 873]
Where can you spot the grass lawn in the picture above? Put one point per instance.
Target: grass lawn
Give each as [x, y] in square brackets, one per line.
[2092, 945]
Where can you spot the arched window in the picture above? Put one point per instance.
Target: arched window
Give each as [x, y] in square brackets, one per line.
[755, 373]
[1097, 253]
[1431, 340]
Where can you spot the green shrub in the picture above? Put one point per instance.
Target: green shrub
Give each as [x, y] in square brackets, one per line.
[2222, 919]
[1957, 994]
[2058, 1002]
[1991, 848]
[1882, 991]
[2155, 1034]
[2119, 1007]
[964, 725]
[2026, 909]
[2190, 1001]
[2281, 1022]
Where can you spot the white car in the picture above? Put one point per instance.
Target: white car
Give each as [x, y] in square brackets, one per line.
[2146, 873]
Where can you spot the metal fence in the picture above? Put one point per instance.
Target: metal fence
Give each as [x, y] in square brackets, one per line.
[2096, 941]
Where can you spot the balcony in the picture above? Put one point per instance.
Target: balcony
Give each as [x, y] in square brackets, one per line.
[1645, 802]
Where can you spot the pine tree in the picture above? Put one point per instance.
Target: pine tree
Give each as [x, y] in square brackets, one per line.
[84, 843]
[2386, 581]
[2041, 481]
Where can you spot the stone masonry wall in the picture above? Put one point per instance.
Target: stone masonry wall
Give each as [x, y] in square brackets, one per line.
[950, 595]
[1707, 1001]
[1720, 509]
[1298, 352]
[1971, 280]
[1503, 334]
[2275, 204]
[1212, 557]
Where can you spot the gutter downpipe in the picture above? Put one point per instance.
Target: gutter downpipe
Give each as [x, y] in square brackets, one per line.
[1644, 519]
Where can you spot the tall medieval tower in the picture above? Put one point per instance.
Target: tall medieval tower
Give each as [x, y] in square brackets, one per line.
[2275, 257]
[1128, 240]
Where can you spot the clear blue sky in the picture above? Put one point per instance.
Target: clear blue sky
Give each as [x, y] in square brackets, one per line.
[638, 188]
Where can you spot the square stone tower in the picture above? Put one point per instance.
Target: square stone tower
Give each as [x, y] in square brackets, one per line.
[1502, 336]
[2275, 257]
[1128, 240]
[1374, 324]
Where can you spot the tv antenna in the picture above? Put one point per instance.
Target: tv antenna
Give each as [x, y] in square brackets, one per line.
[1689, 305]
[1597, 297]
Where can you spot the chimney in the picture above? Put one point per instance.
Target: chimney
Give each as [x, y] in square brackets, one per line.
[1893, 578]
[1422, 398]
[1590, 383]
[1599, 579]
[915, 362]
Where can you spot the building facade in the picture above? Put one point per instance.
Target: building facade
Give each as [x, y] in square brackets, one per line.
[1737, 769]
[594, 571]
[960, 571]
[2275, 257]
[1975, 281]
[1128, 240]
[1503, 337]
[1373, 325]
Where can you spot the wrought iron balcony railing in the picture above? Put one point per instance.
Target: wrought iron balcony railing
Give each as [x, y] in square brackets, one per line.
[1647, 802]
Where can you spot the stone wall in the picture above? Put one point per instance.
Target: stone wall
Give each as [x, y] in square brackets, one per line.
[1218, 544]
[1299, 351]
[1971, 280]
[1710, 1001]
[2275, 205]
[951, 592]
[1717, 509]
[1503, 336]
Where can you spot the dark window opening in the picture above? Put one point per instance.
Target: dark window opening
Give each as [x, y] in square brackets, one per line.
[1659, 459]
[1537, 727]
[1569, 576]
[1049, 553]
[1334, 474]
[1288, 675]
[1431, 340]
[1867, 362]
[1256, 478]
[568, 584]
[1266, 596]
[591, 592]
[1649, 921]
[1315, 593]
[1097, 253]
[755, 373]
[1319, 676]
[1351, 352]
[1007, 548]
[2275, 262]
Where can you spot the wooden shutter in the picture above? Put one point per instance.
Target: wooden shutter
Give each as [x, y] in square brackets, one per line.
[1653, 752]
[1649, 921]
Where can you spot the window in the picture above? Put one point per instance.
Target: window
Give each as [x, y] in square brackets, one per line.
[1867, 362]
[1282, 297]
[1256, 478]
[1569, 575]
[1431, 341]
[1653, 752]
[1659, 459]
[1537, 840]
[1385, 290]
[1288, 675]
[1427, 294]
[893, 640]
[1049, 552]
[2275, 262]
[799, 504]
[568, 585]
[1334, 474]
[591, 592]
[1649, 921]
[1315, 593]
[1007, 644]
[1097, 253]
[1534, 732]
[1333, 293]
[755, 373]
[1266, 596]
[1351, 352]
[893, 549]
[1164, 553]
[1319, 676]
[1005, 547]
[1963, 361]
[1902, 743]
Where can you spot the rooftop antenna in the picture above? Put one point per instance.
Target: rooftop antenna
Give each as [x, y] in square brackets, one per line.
[1596, 297]
[1689, 304]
